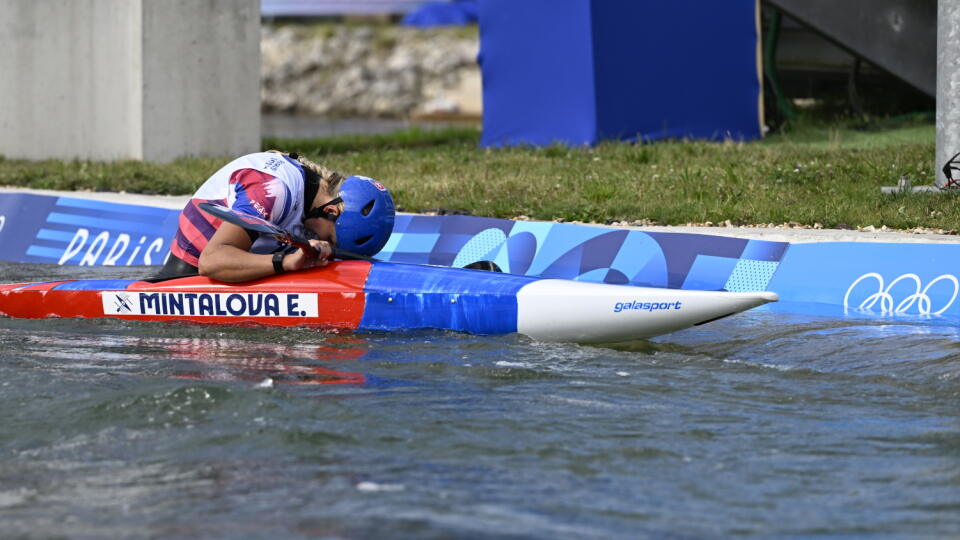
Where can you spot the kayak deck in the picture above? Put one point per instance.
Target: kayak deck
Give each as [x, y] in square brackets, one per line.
[358, 295]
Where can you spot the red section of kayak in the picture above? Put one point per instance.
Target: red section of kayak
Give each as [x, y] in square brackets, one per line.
[338, 288]
[39, 301]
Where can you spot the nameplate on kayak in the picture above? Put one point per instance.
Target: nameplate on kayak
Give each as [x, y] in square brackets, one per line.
[201, 304]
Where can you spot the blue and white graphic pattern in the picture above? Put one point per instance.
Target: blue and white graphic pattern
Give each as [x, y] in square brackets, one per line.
[75, 231]
[587, 253]
[86, 232]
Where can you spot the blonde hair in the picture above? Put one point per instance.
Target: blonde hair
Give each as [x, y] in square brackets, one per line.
[330, 180]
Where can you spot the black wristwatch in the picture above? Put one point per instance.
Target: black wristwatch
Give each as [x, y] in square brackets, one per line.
[278, 261]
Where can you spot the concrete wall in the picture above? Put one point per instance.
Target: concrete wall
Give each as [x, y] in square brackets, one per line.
[129, 79]
[948, 84]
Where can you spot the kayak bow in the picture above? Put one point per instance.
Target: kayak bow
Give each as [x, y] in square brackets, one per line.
[359, 295]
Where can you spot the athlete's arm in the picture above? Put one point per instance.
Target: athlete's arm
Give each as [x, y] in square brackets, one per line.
[226, 257]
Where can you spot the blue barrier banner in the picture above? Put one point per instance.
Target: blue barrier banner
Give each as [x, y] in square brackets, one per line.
[867, 277]
[587, 253]
[85, 232]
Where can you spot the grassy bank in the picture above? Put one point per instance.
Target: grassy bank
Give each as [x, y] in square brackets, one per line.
[815, 174]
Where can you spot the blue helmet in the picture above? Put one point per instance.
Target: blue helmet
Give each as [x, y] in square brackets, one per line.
[367, 218]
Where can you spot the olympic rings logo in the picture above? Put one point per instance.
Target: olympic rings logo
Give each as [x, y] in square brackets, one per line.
[919, 296]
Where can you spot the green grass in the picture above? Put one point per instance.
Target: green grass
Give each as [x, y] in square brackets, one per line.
[816, 173]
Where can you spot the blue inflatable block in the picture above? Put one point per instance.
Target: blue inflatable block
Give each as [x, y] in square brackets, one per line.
[432, 14]
[536, 60]
[580, 71]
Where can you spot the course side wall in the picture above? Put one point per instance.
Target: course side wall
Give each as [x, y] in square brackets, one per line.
[948, 85]
[861, 279]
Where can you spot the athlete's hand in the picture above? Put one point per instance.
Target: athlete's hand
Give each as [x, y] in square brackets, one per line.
[298, 260]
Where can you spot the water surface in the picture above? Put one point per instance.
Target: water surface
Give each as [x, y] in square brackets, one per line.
[766, 423]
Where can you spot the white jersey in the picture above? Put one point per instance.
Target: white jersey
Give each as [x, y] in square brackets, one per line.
[266, 184]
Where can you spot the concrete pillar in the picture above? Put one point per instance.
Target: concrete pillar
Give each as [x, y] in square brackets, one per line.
[129, 79]
[948, 84]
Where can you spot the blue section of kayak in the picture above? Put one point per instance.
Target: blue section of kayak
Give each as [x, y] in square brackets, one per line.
[94, 285]
[411, 296]
[28, 285]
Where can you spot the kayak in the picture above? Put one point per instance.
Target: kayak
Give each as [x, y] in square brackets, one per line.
[382, 296]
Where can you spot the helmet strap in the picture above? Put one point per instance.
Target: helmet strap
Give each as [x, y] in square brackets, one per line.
[311, 185]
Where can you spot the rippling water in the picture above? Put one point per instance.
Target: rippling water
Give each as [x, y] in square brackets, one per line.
[766, 423]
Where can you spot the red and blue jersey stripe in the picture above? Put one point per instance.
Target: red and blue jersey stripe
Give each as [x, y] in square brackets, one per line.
[255, 193]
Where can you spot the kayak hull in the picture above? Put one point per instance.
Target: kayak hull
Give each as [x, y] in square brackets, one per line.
[598, 313]
[358, 295]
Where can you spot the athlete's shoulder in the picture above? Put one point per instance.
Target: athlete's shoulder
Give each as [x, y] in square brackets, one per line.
[260, 193]
[270, 162]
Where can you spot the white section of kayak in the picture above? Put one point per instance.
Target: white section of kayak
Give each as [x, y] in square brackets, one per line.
[561, 310]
